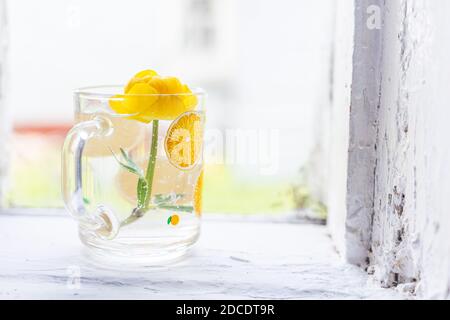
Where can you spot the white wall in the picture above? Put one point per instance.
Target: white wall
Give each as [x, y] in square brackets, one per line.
[340, 115]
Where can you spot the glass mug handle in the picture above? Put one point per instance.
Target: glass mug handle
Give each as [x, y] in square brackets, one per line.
[102, 222]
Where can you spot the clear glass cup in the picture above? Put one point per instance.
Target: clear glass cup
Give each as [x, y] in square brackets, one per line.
[134, 187]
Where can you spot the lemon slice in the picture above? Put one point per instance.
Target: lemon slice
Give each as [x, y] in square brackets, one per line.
[198, 195]
[127, 134]
[183, 143]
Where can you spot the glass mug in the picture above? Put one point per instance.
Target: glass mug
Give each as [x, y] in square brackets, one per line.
[134, 187]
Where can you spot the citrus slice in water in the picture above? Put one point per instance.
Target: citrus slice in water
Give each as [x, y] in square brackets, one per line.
[198, 195]
[183, 143]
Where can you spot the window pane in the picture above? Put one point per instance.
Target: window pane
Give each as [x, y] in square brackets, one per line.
[264, 65]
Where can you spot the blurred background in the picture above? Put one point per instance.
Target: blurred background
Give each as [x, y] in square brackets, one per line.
[265, 65]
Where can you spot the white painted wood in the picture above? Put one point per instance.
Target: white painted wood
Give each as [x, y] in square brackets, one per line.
[411, 222]
[356, 80]
[365, 87]
[232, 260]
[398, 177]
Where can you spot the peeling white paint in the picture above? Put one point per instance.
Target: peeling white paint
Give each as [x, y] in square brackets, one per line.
[398, 177]
[411, 223]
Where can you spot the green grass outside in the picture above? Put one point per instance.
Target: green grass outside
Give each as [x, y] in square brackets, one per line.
[225, 192]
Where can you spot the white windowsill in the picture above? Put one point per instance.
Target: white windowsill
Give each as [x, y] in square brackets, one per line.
[234, 259]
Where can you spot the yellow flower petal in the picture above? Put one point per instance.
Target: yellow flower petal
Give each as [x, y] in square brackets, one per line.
[142, 76]
[140, 98]
[190, 100]
[142, 89]
[116, 103]
[145, 73]
[159, 84]
[171, 106]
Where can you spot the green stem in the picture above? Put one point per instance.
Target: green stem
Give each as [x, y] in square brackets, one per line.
[151, 164]
[142, 209]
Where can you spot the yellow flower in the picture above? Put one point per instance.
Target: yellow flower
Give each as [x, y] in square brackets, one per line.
[148, 96]
[140, 77]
